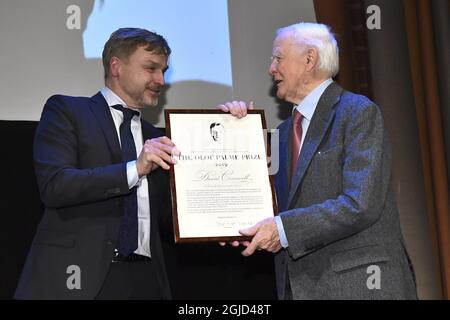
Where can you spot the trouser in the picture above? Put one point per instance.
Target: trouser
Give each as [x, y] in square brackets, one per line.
[131, 281]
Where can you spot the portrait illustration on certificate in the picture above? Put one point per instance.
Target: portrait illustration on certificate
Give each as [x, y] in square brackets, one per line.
[220, 183]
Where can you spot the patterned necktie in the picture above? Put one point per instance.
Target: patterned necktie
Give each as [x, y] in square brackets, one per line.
[296, 139]
[127, 241]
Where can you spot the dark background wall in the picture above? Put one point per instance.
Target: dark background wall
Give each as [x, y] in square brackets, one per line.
[20, 205]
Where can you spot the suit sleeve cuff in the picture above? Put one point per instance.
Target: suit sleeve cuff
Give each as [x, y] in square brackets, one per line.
[281, 233]
[132, 174]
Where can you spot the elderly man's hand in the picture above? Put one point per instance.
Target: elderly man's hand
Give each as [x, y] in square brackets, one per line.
[235, 243]
[236, 108]
[265, 237]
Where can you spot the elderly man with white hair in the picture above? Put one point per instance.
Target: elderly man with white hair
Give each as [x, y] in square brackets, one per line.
[337, 235]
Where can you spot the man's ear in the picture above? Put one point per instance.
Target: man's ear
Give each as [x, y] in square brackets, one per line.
[115, 65]
[311, 58]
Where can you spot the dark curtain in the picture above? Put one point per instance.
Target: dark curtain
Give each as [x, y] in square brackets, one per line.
[425, 64]
[347, 20]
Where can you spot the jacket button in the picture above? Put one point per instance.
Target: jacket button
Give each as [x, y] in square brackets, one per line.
[109, 242]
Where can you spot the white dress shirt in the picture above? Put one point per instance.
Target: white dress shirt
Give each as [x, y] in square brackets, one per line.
[132, 175]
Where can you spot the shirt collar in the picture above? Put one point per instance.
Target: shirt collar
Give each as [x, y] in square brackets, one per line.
[309, 104]
[112, 98]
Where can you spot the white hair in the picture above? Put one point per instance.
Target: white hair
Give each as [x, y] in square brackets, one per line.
[319, 36]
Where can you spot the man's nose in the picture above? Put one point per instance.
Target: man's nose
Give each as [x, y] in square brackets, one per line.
[159, 78]
[272, 68]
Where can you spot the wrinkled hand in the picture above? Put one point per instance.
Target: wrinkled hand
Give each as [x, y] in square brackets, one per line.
[155, 153]
[236, 108]
[235, 243]
[265, 237]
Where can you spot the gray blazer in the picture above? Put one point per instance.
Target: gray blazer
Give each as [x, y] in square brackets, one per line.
[339, 211]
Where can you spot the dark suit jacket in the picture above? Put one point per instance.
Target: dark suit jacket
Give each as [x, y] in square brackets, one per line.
[82, 178]
[339, 211]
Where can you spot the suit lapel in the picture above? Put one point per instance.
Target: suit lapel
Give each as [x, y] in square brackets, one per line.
[102, 113]
[322, 119]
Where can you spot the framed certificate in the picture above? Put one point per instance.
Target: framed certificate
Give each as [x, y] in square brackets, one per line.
[220, 183]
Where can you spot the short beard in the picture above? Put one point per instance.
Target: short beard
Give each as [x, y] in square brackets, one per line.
[154, 103]
[139, 98]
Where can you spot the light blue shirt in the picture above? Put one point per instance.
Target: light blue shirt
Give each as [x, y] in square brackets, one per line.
[307, 108]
